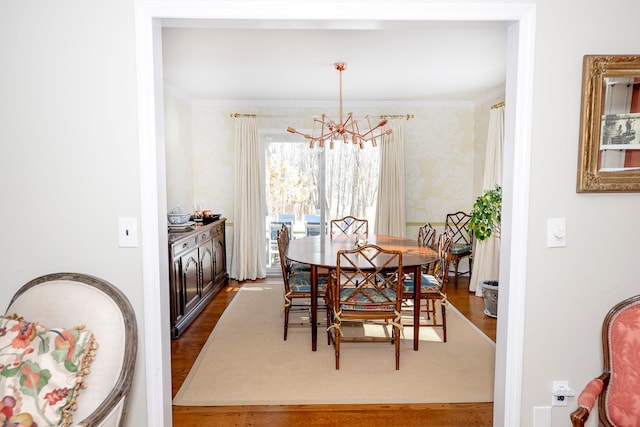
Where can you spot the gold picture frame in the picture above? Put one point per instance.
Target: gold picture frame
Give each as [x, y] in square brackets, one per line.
[609, 150]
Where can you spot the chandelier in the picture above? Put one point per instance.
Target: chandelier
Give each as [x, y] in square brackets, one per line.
[347, 130]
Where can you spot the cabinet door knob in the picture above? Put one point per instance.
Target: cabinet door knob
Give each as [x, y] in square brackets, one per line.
[184, 245]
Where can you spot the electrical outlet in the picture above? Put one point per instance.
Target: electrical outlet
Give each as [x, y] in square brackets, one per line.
[561, 392]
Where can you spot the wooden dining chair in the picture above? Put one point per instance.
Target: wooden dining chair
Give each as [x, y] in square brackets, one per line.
[427, 235]
[349, 225]
[458, 225]
[427, 238]
[297, 280]
[366, 286]
[433, 287]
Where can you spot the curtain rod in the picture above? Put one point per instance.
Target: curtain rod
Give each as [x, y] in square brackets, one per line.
[384, 116]
[498, 105]
[397, 116]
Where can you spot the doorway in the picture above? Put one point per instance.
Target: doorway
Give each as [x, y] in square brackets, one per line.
[521, 35]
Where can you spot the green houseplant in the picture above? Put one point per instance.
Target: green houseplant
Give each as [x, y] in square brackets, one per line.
[486, 214]
[486, 217]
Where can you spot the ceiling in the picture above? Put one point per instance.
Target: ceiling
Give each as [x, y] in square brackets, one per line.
[408, 61]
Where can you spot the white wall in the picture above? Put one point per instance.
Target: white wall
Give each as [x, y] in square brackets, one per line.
[69, 162]
[69, 167]
[569, 290]
[179, 151]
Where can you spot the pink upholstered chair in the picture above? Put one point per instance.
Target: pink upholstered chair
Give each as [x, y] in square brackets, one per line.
[617, 389]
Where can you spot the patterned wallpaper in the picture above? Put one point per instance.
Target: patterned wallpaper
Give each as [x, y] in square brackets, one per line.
[440, 142]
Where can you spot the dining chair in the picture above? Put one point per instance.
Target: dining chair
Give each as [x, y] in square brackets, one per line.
[297, 280]
[366, 286]
[433, 286]
[427, 235]
[287, 218]
[311, 224]
[274, 229]
[349, 225]
[617, 389]
[458, 225]
[427, 238]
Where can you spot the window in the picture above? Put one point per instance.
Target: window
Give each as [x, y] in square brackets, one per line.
[296, 176]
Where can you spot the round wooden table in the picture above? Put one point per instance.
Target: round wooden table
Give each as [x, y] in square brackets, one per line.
[321, 252]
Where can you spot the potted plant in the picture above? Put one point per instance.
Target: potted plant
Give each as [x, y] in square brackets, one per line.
[486, 214]
[486, 217]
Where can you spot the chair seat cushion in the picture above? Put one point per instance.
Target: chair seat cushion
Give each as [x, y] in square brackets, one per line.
[298, 266]
[460, 248]
[428, 284]
[300, 281]
[42, 371]
[367, 299]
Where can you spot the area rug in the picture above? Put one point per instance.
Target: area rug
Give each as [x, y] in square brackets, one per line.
[246, 362]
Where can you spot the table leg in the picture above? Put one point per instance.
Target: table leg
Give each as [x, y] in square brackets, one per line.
[314, 306]
[417, 286]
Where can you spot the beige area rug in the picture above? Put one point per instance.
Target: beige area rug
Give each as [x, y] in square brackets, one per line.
[246, 362]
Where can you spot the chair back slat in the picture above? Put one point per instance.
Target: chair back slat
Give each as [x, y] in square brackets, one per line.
[427, 235]
[441, 268]
[349, 225]
[458, 224]
[366, 272]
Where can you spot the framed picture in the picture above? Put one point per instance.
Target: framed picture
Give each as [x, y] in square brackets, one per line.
[620, 132]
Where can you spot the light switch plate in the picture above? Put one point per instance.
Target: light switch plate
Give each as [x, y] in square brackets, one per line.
[556, 232]
[127, 233]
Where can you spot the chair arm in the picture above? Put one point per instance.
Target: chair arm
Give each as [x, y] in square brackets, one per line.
[587, 399]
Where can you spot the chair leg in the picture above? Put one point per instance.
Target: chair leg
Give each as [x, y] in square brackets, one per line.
[336, 343]
[456, 261]
[433, 307]
[396, 333]
[286, 321]
[328, 325]
[444, 320]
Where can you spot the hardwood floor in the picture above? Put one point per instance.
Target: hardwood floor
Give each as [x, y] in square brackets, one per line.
[185, 349]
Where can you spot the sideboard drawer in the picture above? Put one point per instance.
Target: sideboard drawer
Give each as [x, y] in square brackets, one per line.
[205, 235]
[184, 245]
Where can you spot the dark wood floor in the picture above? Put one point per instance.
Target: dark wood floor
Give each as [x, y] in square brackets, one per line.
[185, 349]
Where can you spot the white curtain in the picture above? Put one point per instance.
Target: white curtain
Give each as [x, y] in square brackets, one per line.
[486, 255]
[248, 259]
[390, 217]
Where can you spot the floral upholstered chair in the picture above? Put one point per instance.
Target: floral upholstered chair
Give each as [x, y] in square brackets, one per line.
[68, 346]
[617, 389]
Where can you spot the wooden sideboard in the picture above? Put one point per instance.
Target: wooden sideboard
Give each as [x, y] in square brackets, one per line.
[197, 271]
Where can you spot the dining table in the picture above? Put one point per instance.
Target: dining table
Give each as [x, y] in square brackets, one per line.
[320, 252]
